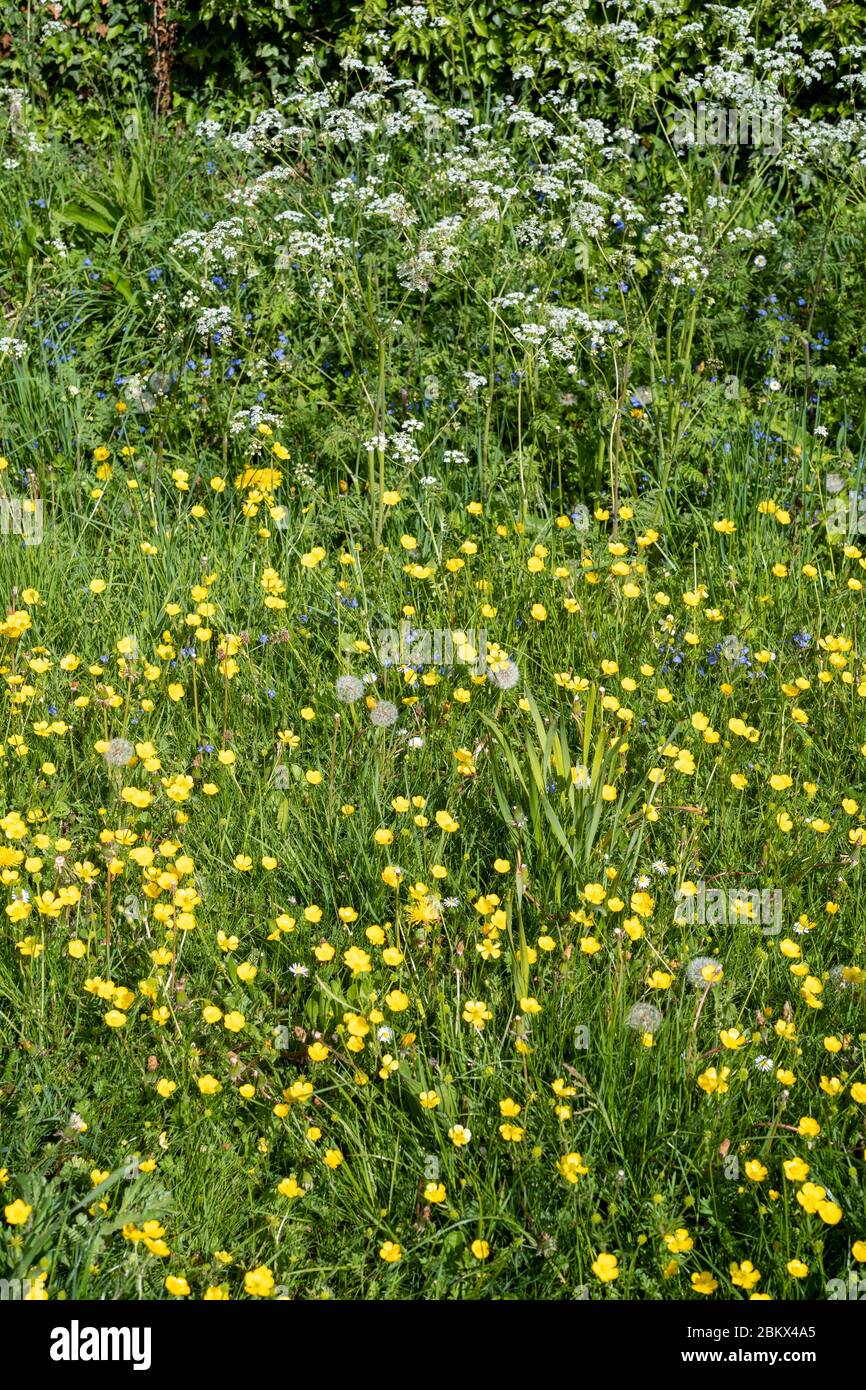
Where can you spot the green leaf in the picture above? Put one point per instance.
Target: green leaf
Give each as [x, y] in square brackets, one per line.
[87, 218]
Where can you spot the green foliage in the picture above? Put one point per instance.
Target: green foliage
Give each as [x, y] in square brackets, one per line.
[100, 52]
[277, 384]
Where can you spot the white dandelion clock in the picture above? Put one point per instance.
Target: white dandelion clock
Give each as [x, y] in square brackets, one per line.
[506, 675]
[383, 714]
[119, 753]
[644, 1018]
[703, 971]
[348, 689]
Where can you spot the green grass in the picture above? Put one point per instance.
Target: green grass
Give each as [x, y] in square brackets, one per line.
[189, 620]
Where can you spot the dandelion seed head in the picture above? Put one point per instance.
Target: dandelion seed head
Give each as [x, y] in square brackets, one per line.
[644, 1018]
[836, 978]
[703, 971]
[506, 675]
[119, 753]
[348, 689]
[383, 714]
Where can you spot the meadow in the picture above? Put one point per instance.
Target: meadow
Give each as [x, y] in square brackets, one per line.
[432, 776]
